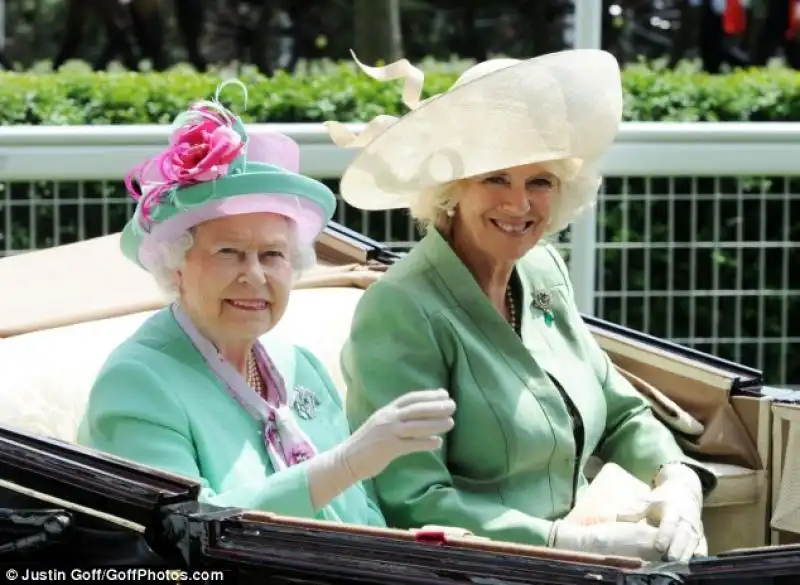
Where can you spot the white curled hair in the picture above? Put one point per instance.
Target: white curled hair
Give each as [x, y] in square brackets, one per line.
[170, 256]
[430, 206]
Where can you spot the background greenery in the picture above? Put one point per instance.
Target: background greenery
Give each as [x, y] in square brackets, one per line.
[76, 95]
[337, 91]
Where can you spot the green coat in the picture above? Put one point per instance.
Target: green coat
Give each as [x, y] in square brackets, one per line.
[156, 402]
[509, 468]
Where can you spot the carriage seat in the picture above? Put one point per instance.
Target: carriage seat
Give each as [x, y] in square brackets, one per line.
[46, 375]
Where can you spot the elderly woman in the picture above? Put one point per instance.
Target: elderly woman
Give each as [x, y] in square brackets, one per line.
[483, 306]
[225, 223]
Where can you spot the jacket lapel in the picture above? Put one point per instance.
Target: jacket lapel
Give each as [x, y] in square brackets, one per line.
[536, 353]
[464, 289]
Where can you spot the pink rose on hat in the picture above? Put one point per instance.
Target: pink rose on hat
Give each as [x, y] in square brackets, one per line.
[201, 152]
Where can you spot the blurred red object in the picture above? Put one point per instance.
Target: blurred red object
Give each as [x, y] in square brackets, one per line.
[734, 19]
[794, 19]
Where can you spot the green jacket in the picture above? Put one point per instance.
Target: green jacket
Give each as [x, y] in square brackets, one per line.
[509, 468]
[157, 402]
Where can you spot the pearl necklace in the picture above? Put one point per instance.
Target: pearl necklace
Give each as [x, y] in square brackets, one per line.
[253, 377]
[512, 309]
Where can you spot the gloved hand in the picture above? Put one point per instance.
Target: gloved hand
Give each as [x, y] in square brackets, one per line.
[675, 506]
[625, 539]
[413, 422]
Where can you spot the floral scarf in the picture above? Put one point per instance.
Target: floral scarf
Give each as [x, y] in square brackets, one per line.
[285, 441]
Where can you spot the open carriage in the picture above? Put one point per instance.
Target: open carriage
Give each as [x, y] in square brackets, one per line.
[61, 504]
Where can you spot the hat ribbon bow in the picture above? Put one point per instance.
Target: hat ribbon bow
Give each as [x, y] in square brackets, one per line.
[412, 90]
[202, 145]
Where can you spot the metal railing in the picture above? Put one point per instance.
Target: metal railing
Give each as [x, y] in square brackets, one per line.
[693, 238]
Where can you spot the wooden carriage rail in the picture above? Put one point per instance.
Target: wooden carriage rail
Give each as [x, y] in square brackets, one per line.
[87, 480]
[750, 563]
[439, 535]
[383, 560]
[765, 562]
[744, 378]
[351, 246]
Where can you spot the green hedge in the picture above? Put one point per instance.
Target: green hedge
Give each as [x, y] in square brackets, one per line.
[78, 96]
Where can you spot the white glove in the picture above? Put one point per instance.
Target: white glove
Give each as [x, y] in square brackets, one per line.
[623, 539]
[675, 506]
[411, 423]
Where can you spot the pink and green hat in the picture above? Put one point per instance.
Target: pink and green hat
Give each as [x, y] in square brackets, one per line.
[212, 168]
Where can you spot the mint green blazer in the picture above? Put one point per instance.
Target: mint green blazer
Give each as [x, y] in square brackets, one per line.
[511, 466]
[156, 402]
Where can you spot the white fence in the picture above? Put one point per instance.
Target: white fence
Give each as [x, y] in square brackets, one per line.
[694, 237]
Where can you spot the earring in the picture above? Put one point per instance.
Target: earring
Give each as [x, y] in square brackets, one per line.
[450, 212]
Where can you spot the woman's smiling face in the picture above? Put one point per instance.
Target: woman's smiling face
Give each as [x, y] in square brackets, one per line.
[238, 275]
[506, 212]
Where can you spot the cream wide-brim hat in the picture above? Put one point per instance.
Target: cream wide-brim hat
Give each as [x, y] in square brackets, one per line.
[501, 113]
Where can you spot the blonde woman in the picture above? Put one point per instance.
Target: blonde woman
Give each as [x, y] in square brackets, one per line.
[483, 306]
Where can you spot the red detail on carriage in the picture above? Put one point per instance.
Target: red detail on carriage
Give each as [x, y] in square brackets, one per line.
[431, 536]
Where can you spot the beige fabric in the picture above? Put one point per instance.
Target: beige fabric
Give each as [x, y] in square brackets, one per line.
[786, 512]
[347, 275]
[613, 494]
[73, 283]
[319, 320]
[734, 515]
[730, 524]
[46, 375]
[737, 485]
[666, 409]
[699, 389]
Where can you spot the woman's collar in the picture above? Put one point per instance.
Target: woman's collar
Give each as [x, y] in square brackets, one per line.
[456, 276]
